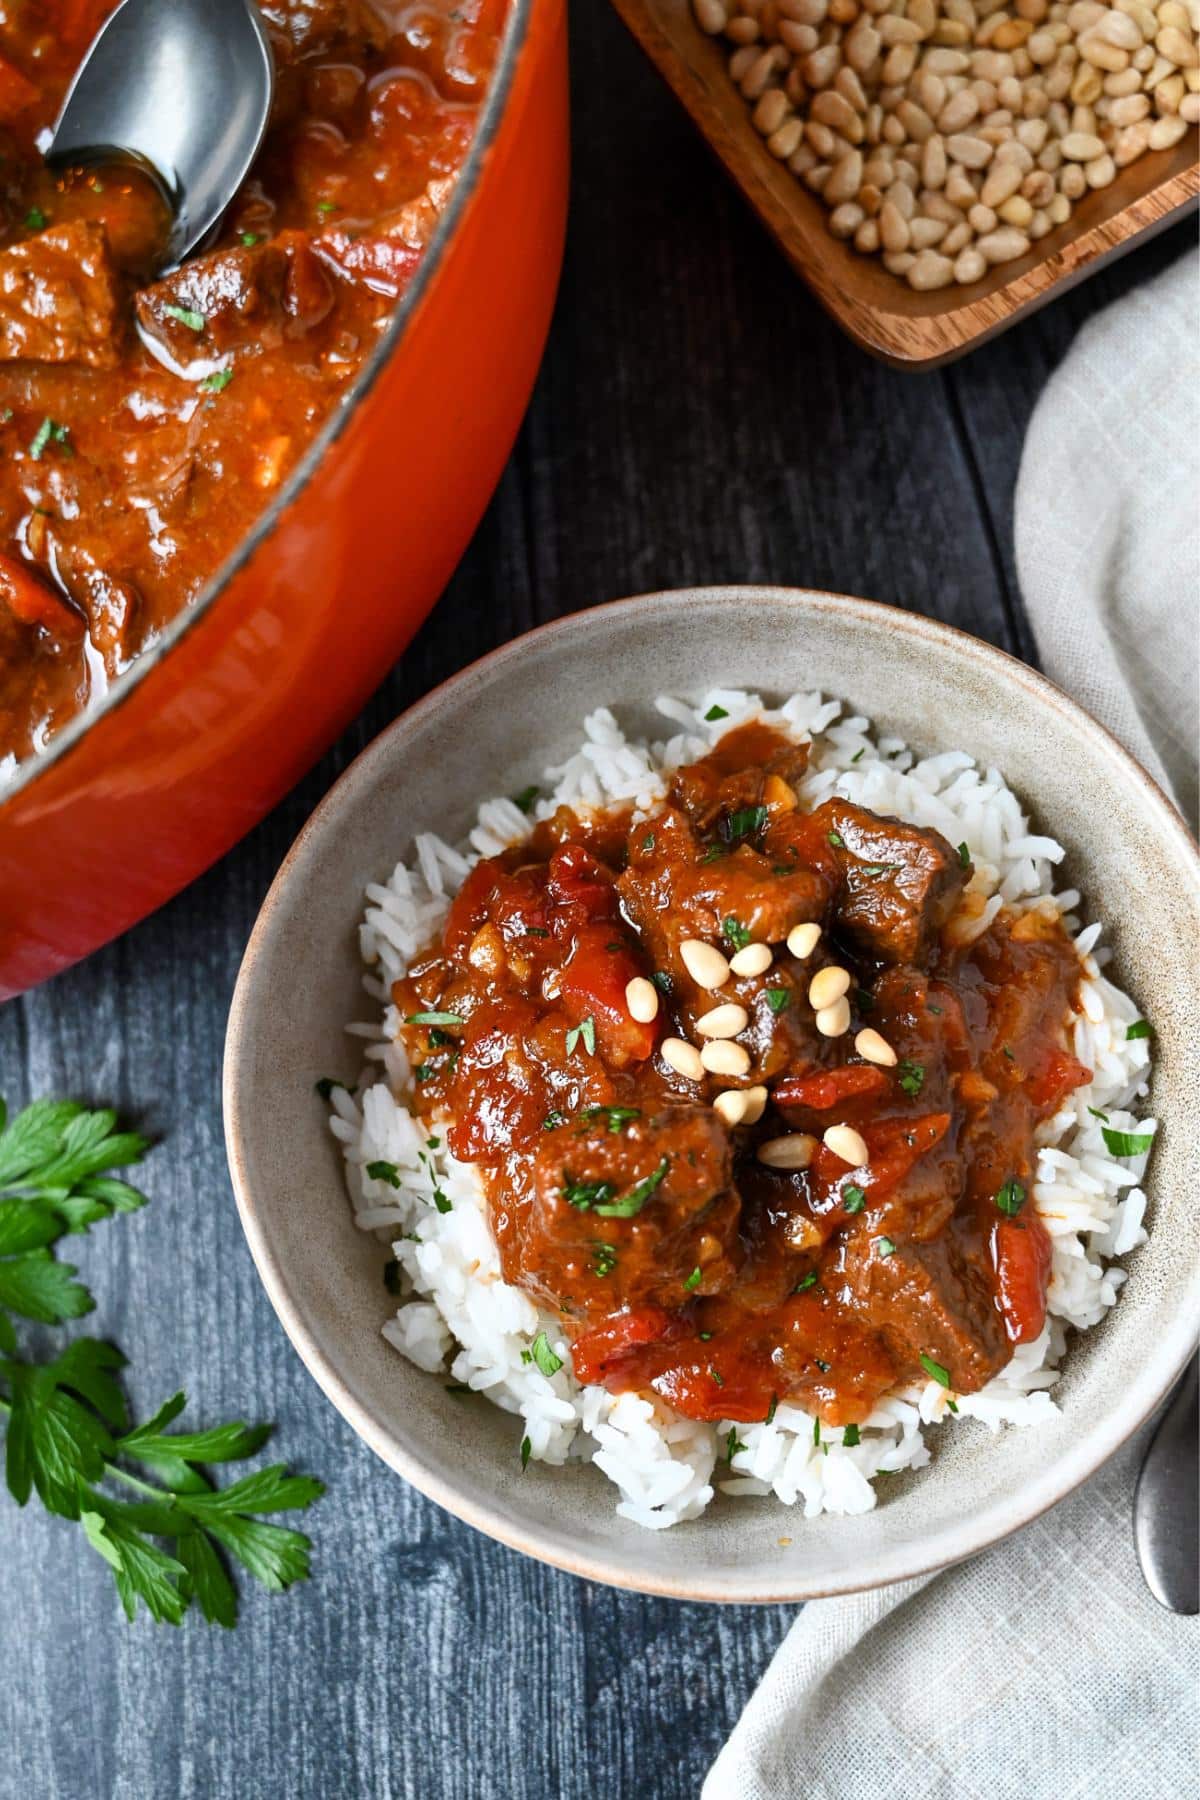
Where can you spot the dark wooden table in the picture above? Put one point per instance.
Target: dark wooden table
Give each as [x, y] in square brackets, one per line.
[697, 419]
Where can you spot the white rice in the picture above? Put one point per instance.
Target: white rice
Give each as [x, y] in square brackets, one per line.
[459, 1318]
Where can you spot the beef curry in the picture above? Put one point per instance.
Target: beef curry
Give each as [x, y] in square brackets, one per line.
[145, 424]
[754, 1091]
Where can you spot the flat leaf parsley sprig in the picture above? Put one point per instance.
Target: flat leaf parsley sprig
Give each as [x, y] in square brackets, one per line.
[67, 1435]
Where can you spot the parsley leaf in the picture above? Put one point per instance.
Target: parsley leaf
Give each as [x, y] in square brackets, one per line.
[934, 1369]
[886, 1246]
[632, 1203]
[693, 1281]
[543, 1355]
[218, 381]
[964, 857]
[1139, 1029]
[911, 1076]
[524, 801]
[526, 1453]
[186, 315]
[851, 1436]
[746, 822]
[733, 1444]
[853, 1199]
[1126, 1143]
[716, 712]
[778, 999]
[587, 1031]
[435, 1018]
[737, 934]
[1011, 1198]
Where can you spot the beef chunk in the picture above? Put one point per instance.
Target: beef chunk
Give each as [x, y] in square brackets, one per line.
[899, 883]
[308, 27]
[59, 299]
[234, 297]
[385, 256]
[665, 1181]
[934, 1299]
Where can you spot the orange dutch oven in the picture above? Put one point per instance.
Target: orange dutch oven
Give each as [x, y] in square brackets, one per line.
[238, 697]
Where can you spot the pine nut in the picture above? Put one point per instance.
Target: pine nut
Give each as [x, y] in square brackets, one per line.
[1166, 132]
[641, 997]
[704, 963]
[710, 16]
[683, 1057]
[971, 152]
[828, 985]
[721, 1056]
[969, 266]
[956, 239]
[1081, 147]
[1178, 49]
[1017, 211]
[802, 940]
[1103, 170]
[847, 1144]
[795, 1151]
[723, 1021]
[846, 179]
[1189, 109]
[755, 1104]
[755, 959]
[833, 1021]
[893, 227]
[1003, 245]
[874, 1048]
[844, 222]
[923, 234]
[730, 1107]
[930, 271]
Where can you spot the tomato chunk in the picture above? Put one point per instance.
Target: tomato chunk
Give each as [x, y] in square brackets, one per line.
[853, 1082]
[594, 980]
[1059, 1075]
[594, 1353]
[29, 599]
[1021, 1253]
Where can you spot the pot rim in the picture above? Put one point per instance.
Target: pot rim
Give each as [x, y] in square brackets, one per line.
[903, 1562]
[75, 732]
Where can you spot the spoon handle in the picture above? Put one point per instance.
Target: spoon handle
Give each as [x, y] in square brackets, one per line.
[1166, 1503]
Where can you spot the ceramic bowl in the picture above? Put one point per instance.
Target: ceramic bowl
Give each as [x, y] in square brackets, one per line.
[491, 729]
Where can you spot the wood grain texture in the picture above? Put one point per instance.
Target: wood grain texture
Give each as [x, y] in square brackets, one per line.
[699, 417]
[880, 312]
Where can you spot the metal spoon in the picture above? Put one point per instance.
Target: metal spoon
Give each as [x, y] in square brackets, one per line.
[182, 87]
[1166, 1505]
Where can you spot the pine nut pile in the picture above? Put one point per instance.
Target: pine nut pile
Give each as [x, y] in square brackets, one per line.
[947, 136]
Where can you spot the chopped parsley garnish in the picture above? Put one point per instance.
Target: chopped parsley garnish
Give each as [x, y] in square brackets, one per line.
[1139, 1029]
[912, 1076]
[964, 856]
[425, 1071]
[934, 1009]
[218, 381]
[746, 822]
[934, 1369]
[886, 1246]
[736, 933]
[391, 1276]
[859, 754]
[1126, 1143]
[662, 981]
[853, 1199]
[693, 1281]
[771, 1409]
[716, 1375]
[704, 1336]
[35, 219]
[714, 853]
[778, 999]
[585, 1030]
[823, 1366]
[877, 868]
[384, 1171]
[435, 1018]
[807, 1281]
[524, 801]
[249, 239]
[716, 712]
[604, 1258]
[187, 315]
[543, 1355]
[326, 1085]
[837, 840]
[584, 1194]
[618, 1116]
[326, 206]
[952, 1405]
[630, 1204]
[1011, 1198]
[648, 842]
[535, 931]
[48, 432]
[733, 1445]
[1009, 1054]
[526, 1453]
[1097, 1114]
[816, 1431]
[851, 1436]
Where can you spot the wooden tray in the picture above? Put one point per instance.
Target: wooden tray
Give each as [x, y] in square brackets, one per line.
[879, 311]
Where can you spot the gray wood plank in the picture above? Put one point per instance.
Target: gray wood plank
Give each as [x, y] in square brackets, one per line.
[697, 418]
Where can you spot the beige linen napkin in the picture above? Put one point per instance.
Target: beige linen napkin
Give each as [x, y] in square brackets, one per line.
[1041, 1667]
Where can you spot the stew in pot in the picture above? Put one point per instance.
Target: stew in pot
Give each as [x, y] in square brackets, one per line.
[145, 424]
